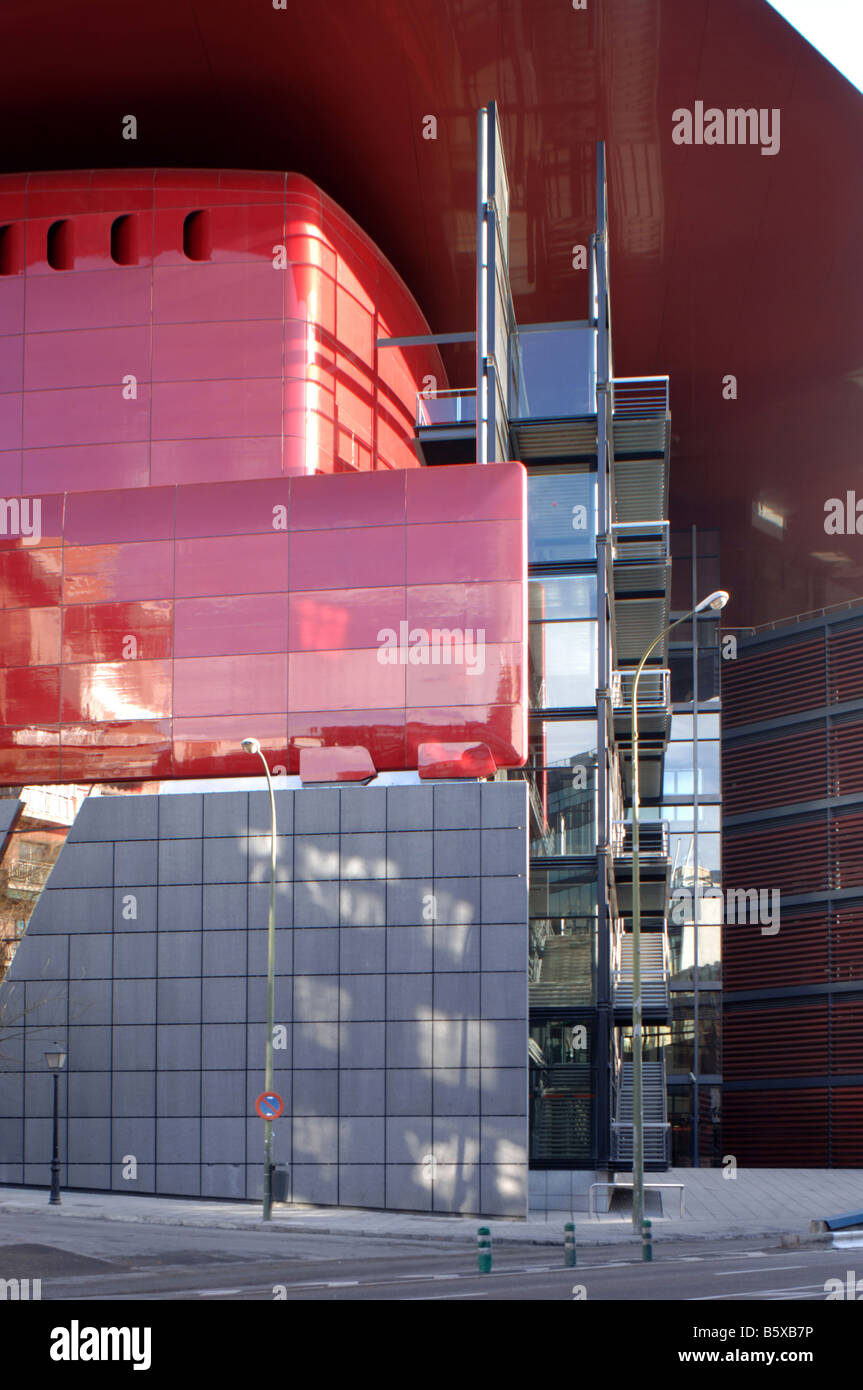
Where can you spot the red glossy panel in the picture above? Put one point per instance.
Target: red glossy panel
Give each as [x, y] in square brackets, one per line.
[80, 358]
[30, 578]
[230, 626]
[85, 415]
[82, 468]
[382, 731]
[322, 503]
[30, 695]
[455, 760]
[104, 692]
[257, 564]
[112, 298]
[336, 619]
[244, 232]
[364, 559]
[10, 472]
[222, 351]
[343, 681]
[214, 460]
[503, 728]
[336, 765]
[227, 509]
[196, 410]
[137, 514]
[116, 750]
[497, 610]
[96, 573]
[230, 685]
[476, 550]
[11, 362]
[191, 293]
[30, 637]
[29, 754]
[113, 631]
[465, 671]
[496, 492]
[210, 747]
[10, 421]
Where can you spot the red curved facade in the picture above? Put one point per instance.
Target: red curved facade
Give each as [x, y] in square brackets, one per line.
[181, 354]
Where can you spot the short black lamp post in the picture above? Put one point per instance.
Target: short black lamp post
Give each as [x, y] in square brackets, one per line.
[56, 1060]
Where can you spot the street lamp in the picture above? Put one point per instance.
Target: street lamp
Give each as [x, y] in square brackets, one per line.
[56, 1060]
[715, 601]
[251, 745]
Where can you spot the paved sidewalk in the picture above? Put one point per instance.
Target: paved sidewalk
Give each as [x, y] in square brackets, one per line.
[758, 1202]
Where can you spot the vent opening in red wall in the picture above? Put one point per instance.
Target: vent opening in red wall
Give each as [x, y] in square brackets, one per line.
[124, 240]
[60, 255]
[11, 249]
[197, 238]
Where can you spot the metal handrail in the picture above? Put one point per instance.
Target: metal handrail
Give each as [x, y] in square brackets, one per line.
[654, 688]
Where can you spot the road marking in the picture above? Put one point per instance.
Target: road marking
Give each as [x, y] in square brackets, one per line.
[341, 1283]
[724, 1273]
[214, 1293]
[436, 1297]
[755, 1293]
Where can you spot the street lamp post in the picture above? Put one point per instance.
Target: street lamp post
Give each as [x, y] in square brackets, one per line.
[716, 601]
[56, 1059]
[251, 745]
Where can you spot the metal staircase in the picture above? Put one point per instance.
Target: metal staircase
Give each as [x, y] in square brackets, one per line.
[654, 973]
[657, 1130]
[562, 1103]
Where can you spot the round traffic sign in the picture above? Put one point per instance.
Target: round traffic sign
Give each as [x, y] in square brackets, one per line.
[269, 1105]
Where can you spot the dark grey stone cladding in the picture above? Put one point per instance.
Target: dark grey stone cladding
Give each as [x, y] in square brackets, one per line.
[401, 992]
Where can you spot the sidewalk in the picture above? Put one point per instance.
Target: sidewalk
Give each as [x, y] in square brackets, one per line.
[758, 1202]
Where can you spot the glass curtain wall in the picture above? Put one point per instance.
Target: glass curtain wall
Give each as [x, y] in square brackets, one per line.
[692, 807]
[562, 780]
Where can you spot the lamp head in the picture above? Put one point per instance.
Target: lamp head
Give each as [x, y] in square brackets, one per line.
[251, 745]
[56, 1057]
[716, 600]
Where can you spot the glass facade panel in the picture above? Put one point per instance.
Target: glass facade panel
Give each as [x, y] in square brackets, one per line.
[562, 665]
[552, 597]
[561, 517]
[553, 371]
[562, 1085]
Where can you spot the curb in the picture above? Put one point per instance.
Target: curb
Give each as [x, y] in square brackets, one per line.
[787, 1239]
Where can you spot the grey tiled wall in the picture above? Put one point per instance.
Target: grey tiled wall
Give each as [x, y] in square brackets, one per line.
[404, 1071]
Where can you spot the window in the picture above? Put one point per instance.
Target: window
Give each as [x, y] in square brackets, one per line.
[59, 250]
[561, 516]
[124, 240]
[197, 236]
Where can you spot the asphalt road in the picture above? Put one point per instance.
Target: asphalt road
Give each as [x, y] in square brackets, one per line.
[80, 1260]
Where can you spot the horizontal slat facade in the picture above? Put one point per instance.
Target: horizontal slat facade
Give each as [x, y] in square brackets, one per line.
[766, 682]
[777, 1129]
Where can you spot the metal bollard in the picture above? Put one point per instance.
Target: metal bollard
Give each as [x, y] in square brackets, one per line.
[570, 1257]
[647, 1240]
[483, 1251]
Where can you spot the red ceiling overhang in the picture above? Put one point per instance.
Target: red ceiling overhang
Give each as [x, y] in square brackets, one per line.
[724, 261]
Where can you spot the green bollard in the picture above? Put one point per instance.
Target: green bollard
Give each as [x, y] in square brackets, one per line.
[647, 1240]
[570, 1257]
[483, 1243]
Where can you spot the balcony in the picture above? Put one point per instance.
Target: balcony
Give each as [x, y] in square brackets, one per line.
[445, 424]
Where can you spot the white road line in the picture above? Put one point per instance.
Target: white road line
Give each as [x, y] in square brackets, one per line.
[724, 1273]
[436, 1297]
[341, 1283]
[214, 1293]
[754, 1293]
